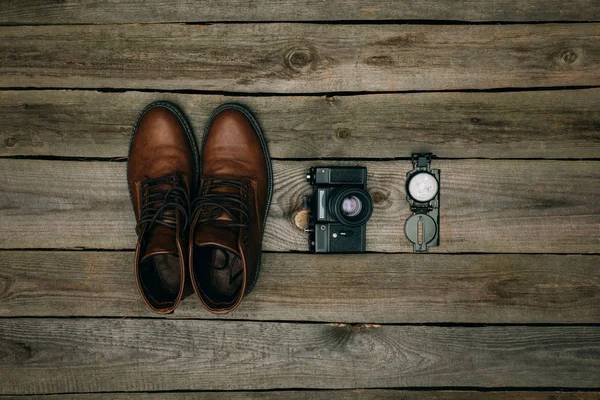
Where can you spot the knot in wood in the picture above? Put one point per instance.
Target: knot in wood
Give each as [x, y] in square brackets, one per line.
[300, 58]
[342, 134]
[378, 197]
[568, 57]
[10, 142]
[301, 219]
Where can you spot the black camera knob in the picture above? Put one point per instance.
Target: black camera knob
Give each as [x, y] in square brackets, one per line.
[308, 177]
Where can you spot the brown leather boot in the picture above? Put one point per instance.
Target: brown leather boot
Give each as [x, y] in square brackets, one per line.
[231, 209]
[162, 169]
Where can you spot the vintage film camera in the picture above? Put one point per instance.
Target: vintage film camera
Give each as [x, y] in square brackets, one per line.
[338, 209]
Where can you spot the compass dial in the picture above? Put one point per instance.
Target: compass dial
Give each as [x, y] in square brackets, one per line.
[423, 187]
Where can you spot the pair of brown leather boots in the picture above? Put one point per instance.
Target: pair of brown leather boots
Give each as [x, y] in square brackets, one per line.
[200, 216]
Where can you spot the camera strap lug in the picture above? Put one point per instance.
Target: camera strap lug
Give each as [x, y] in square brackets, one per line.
[421, 161]
[306, 203]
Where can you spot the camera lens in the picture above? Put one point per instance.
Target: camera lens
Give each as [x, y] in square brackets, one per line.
[351, 206]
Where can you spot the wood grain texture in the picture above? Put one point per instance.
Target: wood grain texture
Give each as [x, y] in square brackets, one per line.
[366, 394]
[486, 206]
[288, 58]
[92, 355]
[367, 288]
[135, 11]
[538, 124]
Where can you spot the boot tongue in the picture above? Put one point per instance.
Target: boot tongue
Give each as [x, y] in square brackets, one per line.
[226, 237]
[225, 188]
[161, 240]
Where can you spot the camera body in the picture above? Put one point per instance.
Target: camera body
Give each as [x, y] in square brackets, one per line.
[338, 209]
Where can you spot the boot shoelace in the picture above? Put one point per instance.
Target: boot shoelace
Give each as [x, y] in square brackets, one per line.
[211, 203]
[161, 199]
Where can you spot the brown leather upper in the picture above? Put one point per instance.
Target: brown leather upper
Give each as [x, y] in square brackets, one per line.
[227, 226]
[232, 149]
[161, 167]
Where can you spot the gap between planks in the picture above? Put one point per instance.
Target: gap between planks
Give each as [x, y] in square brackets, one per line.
[340, 394]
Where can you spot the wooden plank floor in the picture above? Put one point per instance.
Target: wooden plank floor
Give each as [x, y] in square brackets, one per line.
[301, 58]
[507, 95]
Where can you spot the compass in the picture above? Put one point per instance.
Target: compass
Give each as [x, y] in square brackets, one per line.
[423, 195]
[423, 187]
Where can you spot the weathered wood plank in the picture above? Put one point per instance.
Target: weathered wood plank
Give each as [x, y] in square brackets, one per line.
[365, 394]
[546, 124]
[132, 11]
[487, 206]
[299, 58]
[368, 288]
[92, 355]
